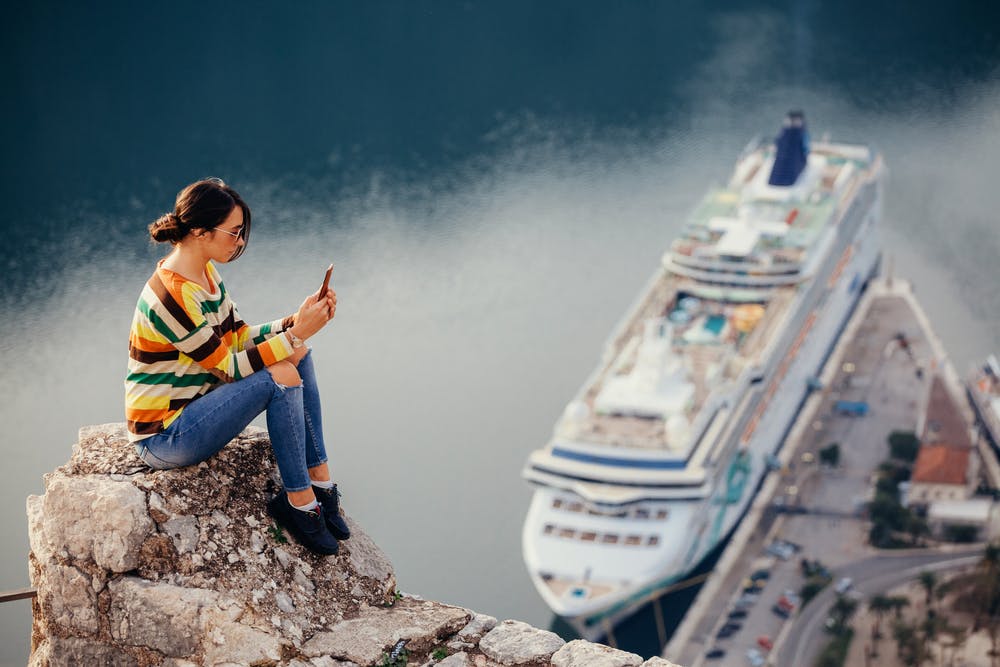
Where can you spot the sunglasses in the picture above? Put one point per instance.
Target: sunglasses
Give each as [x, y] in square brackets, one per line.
[238, 234]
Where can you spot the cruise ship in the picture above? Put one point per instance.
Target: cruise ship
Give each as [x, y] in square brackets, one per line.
[656, 459]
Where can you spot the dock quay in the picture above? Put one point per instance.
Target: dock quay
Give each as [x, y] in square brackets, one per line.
[888, 359]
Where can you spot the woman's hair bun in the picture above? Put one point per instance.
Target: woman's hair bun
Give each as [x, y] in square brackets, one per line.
[168, 228]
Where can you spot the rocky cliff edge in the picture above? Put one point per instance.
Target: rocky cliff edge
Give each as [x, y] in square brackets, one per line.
[136, 567]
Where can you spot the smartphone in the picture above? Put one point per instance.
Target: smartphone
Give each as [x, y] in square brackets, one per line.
[326, 283]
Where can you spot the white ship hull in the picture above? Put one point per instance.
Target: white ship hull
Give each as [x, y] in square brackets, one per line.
[609, 527]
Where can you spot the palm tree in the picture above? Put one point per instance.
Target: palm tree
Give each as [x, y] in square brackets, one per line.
[928, 580]
[989, 572]
[879, 605]
[905, 636]
[957, 636]
[930, 629]
[897, 603]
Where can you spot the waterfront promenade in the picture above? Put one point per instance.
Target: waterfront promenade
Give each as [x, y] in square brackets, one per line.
[868, 364]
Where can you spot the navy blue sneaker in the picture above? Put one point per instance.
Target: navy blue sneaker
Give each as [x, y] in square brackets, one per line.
[330, 500]
[307, 527]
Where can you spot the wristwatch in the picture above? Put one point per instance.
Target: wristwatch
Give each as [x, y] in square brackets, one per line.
[296, 341]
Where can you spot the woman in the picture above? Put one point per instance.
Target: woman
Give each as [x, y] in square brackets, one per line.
[198, 374]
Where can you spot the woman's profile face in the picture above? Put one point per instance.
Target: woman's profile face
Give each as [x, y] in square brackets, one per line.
[222, 242]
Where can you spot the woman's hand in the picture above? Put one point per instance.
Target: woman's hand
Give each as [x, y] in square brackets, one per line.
[313, 314]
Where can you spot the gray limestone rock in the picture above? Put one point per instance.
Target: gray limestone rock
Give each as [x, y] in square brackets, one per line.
[74, 651]
[70, 598]
[326, 661]
[477, 627]
[580, 653]
[364, 639]
[659, 662]
[36, 521]
[233, 642]
[206, 572]
[515, 642]
[365, 556]
[169, 619]
[183, 567]
[184, 533]
[455, 660]
[94, 518]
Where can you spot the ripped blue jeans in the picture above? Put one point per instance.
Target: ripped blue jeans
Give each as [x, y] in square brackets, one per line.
[208, 423]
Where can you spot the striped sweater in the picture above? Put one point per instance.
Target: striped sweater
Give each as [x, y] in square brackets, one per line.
[185, 341]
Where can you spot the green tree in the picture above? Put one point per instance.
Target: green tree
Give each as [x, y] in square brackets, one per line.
[830, 455]
[904, 446]
[841, 613]
[917, 529]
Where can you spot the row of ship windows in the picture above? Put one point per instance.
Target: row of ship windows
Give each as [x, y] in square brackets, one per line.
[637, 513]
[603, 538]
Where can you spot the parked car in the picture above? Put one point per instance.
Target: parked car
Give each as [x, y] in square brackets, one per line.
[785, 606]
[725, 632]
[765, 642]
[844, 585]
[781, 549]
[739, 613]
[715, 654]
[755, 657]
[760, 575]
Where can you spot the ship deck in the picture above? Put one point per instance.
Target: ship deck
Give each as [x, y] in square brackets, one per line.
[761, 240]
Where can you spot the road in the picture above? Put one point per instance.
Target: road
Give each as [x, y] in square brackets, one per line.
[874, 575]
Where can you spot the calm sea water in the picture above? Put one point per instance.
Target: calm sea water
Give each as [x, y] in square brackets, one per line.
[494, 182]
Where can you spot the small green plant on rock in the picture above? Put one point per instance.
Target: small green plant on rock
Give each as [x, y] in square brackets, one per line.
[277, 534]
[440, 653]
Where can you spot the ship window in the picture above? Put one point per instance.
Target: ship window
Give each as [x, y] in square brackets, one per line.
[575, 507]
[642, 514]
[633, 540]
[610, 539]
[653, 540]
[557, 503]
[549, 529]
[662, 514]
[588, 536]
[567, 532]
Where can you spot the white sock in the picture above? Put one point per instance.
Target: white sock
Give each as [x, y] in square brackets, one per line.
[328, 484]
[307, 507]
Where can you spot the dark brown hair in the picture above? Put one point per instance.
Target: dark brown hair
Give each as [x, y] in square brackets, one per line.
[205, 205]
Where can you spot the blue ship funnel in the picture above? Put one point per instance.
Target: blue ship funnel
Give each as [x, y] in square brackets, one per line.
[792, 150]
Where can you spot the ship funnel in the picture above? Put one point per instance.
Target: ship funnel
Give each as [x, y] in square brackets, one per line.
[792, 150]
